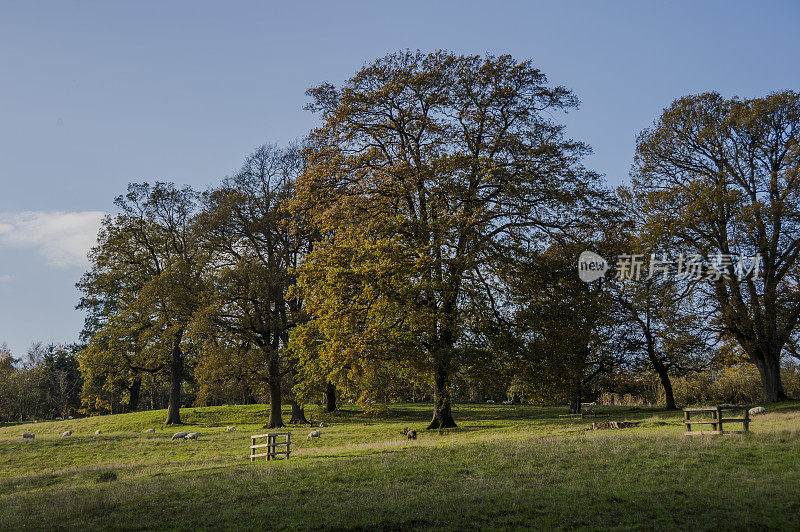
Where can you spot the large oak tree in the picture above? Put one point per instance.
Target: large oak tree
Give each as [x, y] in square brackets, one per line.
[428, 174]
[722, 176]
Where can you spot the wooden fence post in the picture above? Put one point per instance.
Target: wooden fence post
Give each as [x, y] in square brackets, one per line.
[746, 419]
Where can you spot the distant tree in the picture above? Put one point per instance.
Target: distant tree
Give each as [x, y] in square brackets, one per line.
[568, 330]
[45, 386]
[718, 177]
[145, 284]
[62, 379]
[429, 173]
[7, 359]
[7, 370]
[256, 245]
[665, 328]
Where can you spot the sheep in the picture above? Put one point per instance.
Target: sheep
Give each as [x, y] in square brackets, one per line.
[98, 432]
[229, 428]
[66, 433]
[28, 435]
[323, 424]
[150, 431]
[411, 434]
[70, 417]
[192, 436]
[59, 419]
[489, 402]
[758, 410]
[179, 435]
[314, 434]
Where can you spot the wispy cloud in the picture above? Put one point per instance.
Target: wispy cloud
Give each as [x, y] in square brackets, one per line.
[5, 278]
[62, 238]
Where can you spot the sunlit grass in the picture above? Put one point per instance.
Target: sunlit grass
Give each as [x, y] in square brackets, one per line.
[508, 466]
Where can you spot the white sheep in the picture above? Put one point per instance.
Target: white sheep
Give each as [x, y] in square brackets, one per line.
[230, 429]
[70, 417]
[179, 435]
[323, 424]
[59, 419]
[150, 431]
[489, 402]
[314, 434]
[98, 432]
[758, 410]
[66, 433]
[28, 435]
[191, 436]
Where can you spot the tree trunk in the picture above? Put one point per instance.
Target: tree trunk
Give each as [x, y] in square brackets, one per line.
[298, 413]
[330, 397]
[575, 401]
[275, 398]
[152, 392]
[275, 418]
[770, 369]
[442, 414]
[135, 393]
[176, 378]
[666, 382]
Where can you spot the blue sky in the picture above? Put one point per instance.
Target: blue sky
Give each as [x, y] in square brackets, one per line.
[94, 95]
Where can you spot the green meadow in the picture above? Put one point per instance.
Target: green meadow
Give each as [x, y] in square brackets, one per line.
[505, 466]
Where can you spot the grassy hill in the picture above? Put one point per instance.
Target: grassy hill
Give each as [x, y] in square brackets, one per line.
[505, 466]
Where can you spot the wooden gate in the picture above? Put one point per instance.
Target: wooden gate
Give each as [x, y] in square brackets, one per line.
[716, 421]
[272, 445]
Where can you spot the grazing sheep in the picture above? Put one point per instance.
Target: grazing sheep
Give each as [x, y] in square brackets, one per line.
[489, 402]
[314, 434]
[66, 433]
[70, 417]
[411, 434]
[28, 435]
[192, 436]
[758, 410]
[179, 435]
[98, 432]
[150, 431]
[229, 429]
[323, 424]
[59, 419]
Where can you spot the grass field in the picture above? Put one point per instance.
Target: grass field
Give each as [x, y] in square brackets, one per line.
[505, 466]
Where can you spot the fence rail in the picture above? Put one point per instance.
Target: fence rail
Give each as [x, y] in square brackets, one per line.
[272, 445]
[717, 420]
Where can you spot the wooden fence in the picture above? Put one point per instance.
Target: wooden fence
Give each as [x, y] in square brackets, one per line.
[717, 420]
[272, 445]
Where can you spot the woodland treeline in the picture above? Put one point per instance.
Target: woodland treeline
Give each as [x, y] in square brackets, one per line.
[422, 242]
